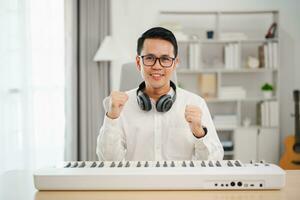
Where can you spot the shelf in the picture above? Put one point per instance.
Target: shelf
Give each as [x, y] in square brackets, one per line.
[228, 153]
[218, 12]
[222, 70]
[202, 71]
[254, 99]
[215, 41]
[225, 128]
[244, 127]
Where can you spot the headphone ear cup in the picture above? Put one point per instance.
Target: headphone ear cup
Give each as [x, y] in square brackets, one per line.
[144, 102]
[164, 103]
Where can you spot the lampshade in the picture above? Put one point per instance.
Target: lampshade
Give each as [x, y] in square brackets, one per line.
[109, 50]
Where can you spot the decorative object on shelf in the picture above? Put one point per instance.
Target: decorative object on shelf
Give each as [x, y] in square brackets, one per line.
[272, 31]
[267, 90]
[208, 85]
[210, 34]
[247, 122]
[252, 62]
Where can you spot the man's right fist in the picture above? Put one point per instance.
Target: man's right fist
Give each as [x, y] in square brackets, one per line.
[116, 104]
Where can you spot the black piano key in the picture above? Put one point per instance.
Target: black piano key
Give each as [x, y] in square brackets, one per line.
[146, 164]
[120, 164]
[138, 164]
[237, 163]
[67, 165]
[183, 164]
[101, 164]
[165, 164]
[203, 164]
[172, 164]
[74, 165]
[218, 164]
[210, 163]
[157, 164]
[113, 164]
[94, 164]
[127, 164]
[82, 164]
[229, 163]
[192, 164]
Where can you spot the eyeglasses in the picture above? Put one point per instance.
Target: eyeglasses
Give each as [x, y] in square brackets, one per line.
[164, 61]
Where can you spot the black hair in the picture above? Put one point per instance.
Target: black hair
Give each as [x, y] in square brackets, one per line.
[157, 33]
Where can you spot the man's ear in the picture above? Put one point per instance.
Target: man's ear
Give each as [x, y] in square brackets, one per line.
[138, 62]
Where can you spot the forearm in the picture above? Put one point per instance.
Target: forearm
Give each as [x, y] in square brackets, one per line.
[110, 142]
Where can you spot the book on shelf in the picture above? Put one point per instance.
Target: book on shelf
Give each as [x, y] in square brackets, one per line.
[225, 121]
[194, 56]
[232, 92]
[268, 114]
[232, 56]
[268, 55]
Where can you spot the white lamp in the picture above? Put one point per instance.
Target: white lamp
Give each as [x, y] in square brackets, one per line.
[109, 50]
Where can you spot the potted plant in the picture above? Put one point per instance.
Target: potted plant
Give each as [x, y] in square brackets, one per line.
[267, 90]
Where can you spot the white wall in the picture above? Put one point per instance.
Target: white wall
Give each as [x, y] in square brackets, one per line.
[130, 18]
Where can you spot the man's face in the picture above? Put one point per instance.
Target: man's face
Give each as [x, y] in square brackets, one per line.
[156, 76]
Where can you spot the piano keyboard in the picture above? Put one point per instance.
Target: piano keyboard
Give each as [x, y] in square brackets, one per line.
[161, 175]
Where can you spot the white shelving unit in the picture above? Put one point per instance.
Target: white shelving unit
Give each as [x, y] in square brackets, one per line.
[211, 55]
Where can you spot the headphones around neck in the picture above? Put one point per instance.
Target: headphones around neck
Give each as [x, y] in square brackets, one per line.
[163, 104]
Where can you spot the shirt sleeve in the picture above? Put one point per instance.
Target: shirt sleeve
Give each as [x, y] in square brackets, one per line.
[208, 147]
[111, 138]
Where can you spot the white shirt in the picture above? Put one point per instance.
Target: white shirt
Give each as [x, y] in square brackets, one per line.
[152, 135]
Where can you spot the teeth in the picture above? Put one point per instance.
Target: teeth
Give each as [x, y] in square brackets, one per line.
[156, 75]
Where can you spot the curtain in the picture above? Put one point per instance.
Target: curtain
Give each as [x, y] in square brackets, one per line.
[91, 85]
[32, 84]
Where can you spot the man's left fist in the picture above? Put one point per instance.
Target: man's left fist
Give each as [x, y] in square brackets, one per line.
[193, 116]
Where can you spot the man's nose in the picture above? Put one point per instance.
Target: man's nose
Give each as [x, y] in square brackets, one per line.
[157, 65]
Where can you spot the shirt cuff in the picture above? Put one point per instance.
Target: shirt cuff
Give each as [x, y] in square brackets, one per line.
[205, 133]
[110, 122]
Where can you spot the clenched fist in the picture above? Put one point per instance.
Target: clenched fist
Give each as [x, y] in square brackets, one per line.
[193, 116]
[116, 104]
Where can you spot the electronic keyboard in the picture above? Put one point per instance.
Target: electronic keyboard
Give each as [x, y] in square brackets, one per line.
[161, 175]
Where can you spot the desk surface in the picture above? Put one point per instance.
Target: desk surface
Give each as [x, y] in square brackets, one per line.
[19, 185]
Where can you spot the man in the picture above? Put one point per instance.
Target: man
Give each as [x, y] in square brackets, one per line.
[157, 121]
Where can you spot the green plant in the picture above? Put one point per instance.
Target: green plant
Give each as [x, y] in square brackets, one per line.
[267, 87]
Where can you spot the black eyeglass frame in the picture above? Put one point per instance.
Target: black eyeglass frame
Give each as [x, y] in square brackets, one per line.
[158, 58]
